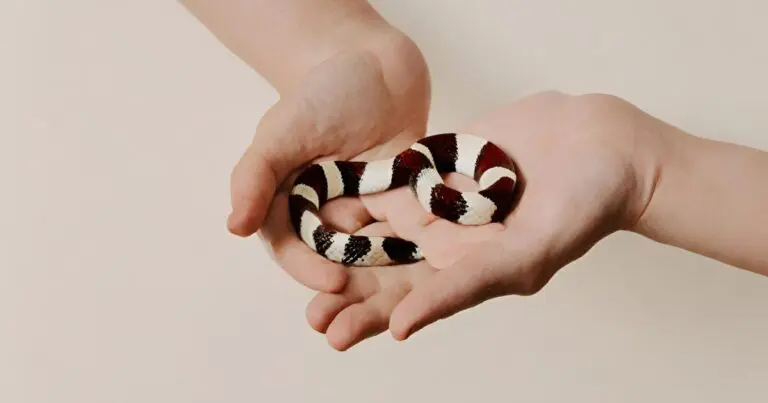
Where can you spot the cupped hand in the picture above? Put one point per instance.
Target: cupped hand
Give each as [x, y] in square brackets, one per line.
[368, 100]
[588, 168]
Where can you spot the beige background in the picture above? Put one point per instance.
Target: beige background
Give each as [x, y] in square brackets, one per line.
[119, 282]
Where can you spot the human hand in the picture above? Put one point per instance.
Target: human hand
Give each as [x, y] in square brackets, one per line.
[368, 100]
[588, 167]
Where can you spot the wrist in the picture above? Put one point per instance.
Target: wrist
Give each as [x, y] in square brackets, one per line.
[636, 141]
[671, 149]
[365, 54]
[356, 31]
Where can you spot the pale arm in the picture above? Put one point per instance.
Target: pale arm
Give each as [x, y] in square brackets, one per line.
[283, 39]
[711, 198]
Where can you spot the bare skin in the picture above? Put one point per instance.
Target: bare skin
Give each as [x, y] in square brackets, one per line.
[351, 87]
[591, 165]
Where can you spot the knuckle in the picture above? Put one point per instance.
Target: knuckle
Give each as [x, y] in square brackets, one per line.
[597, 110]
[529, 285]
[598, 101]
[526, 284]
[549, 95]
[523, 282]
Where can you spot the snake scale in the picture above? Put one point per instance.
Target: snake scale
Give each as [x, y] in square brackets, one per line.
[419, 167]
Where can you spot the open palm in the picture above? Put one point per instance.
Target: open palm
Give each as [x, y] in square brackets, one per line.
[576, 157]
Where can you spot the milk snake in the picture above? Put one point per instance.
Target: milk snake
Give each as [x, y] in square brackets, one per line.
[419, 167]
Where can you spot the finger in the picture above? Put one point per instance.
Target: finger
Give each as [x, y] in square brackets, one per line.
[401, 210]
[377, 229]
[266, 163]
[323, 308]
[472, 280]
[345, 214]
[252, 187]
[363, 283]
[442, 242]
[294, 256]
[363, 320]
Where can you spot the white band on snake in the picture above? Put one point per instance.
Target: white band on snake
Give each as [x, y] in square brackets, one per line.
[419, 167]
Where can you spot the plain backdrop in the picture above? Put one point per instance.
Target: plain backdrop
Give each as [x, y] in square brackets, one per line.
[120, 283]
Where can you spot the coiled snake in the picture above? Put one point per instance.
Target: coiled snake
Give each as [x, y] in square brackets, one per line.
[419, 167]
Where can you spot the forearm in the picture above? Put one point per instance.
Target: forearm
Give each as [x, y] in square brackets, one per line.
[711, 198]
[282, 39]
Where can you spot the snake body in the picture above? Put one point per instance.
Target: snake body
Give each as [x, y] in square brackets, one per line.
[420, 167]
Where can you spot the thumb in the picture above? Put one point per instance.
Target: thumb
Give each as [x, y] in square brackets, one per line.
[277, 149]
[490, 270]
